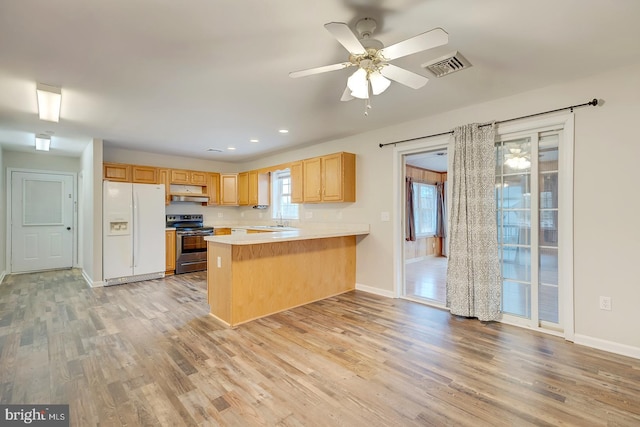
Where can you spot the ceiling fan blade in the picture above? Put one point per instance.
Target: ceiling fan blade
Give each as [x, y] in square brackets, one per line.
[345, 37]
[346, 95]
[318, 70]
[424, 41]
[405, 77]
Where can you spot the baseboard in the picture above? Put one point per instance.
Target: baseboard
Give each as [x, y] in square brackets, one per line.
[377, 291]
[610, 346]
[90, 282]
[2, 274]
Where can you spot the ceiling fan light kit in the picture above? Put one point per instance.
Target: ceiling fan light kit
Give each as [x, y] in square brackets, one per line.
[375, 73]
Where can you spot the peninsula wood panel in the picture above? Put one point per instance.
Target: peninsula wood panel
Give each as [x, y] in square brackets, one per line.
[272, 277]
[219, 294]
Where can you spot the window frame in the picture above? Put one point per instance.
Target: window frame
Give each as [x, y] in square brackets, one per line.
[291, 210]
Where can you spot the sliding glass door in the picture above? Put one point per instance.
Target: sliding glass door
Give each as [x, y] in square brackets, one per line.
[527, 196]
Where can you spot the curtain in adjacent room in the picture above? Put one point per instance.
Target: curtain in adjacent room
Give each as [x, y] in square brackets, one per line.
[440, 214]
[410, 225]
[473, 271]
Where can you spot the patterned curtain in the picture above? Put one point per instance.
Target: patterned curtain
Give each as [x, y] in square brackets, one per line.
[473, 272]
[410, 225]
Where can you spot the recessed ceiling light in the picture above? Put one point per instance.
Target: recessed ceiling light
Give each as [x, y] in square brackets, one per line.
[283, 131]
[231, 148]
[254, 140]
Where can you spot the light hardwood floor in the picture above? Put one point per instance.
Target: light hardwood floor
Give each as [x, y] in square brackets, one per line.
[149, 354]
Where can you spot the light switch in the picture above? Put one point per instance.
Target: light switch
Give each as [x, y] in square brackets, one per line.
[219, 262]
[385, 216]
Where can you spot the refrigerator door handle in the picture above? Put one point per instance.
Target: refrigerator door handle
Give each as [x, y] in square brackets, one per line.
[136, 229]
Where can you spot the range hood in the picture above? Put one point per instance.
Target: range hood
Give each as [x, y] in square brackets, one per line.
[189, 198]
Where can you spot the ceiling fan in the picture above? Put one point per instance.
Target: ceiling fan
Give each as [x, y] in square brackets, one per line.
[374, 73]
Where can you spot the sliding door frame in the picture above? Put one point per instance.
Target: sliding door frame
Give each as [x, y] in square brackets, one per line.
[565, 208]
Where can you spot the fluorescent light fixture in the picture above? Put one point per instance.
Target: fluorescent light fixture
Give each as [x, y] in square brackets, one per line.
[49, 99]
[43, 142]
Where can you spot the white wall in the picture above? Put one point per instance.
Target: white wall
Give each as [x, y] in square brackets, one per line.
[90, 204]
[605, 195]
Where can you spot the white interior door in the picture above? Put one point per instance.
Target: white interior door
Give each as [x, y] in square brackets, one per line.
[41, 221]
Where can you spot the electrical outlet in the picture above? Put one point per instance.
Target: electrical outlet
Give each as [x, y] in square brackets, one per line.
[385, 216]
[308, 215]
[605, 303]
[220, 214]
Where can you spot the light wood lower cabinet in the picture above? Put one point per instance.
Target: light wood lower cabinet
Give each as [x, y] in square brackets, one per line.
[170, 250]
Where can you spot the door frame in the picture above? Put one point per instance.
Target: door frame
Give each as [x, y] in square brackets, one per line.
[74, 192]
[427, 144]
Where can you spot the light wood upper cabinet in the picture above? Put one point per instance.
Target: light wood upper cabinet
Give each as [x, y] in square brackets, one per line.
[116, 172]
[312, 179]
[163, 178]
[144, 174]
[297, 183]
[170, 249]
[259, 188]
[213, 189]
[198, 178]
[187, 177]
[121, 172]
[243, 188]
[229, 189]
[330, 178]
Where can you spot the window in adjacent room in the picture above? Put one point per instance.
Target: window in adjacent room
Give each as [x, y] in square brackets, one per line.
[281, 196]
[425, 205]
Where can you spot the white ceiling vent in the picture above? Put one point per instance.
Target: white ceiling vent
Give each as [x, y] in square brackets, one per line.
[447, 64]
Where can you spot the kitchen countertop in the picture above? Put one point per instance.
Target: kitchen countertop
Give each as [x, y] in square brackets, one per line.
[275, 234]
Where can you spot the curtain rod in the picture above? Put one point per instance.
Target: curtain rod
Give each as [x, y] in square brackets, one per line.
[593, 103]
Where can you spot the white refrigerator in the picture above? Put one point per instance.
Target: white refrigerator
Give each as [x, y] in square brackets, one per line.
[133, 232]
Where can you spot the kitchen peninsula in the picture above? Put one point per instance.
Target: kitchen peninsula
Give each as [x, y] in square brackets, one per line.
[261, 273]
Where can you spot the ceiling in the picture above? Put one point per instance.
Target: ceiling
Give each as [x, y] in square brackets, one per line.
[180, 77]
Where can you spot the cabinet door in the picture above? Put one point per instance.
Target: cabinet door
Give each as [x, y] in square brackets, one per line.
[332, 178]
[243, 188]
[170, 248]
[253, 188]
[296, 182]
[117, 172]
[198, 178]
[311, 170]
[213, 185]
[229, 189]
[144, 174]
[163, 178]
[179, 176]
